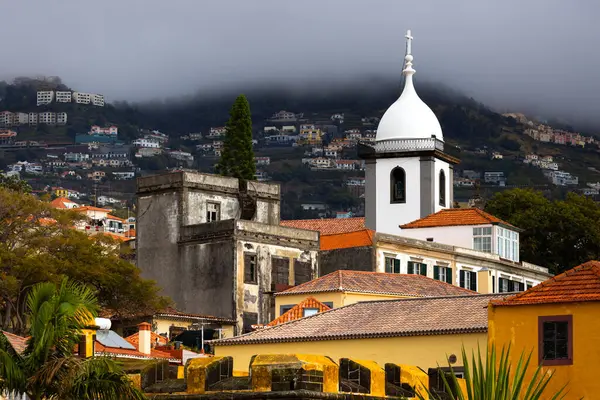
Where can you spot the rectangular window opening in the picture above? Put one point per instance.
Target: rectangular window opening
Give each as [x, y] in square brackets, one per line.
[213, 212]
[555, 340]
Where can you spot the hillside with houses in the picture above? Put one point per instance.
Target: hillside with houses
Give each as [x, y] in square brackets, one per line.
[63, 140]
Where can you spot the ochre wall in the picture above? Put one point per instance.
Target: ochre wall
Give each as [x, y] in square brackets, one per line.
[422, 351]
[518, 325]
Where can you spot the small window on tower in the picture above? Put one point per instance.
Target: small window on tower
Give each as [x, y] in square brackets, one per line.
[442, 188]
[213, 212]
[398, 189]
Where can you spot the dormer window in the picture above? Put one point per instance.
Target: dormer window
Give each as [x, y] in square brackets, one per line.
[398, 185]
[442, 188]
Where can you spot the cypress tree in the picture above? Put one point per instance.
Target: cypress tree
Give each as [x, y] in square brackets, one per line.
[237, 157]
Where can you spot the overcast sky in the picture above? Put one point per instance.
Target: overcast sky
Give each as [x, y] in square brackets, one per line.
[506, 53]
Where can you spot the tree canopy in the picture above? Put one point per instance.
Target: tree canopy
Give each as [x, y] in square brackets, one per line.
[237, 157]
[38, 244]
[557, 234]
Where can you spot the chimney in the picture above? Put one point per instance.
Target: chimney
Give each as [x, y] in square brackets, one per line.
[144, 341]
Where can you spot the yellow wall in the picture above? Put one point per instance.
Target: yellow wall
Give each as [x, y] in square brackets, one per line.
[422, 351]
[338, 299]
[518, 325]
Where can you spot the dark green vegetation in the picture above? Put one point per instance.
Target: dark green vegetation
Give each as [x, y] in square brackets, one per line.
[48, 367]
[559, 234]
[492, 376]
[237, 157]
[38, 244]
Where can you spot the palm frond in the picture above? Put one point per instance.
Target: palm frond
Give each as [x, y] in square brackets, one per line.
[498, 378]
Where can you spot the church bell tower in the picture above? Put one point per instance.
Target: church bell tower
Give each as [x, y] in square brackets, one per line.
[409, 168]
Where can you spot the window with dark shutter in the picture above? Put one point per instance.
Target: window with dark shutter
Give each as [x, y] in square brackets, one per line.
[436, 272]
[521, 287]
[473, 281]
[82, 347]
[462, 279]
[280, 271]
[417, 268]
[448, 275]
[302, 272]
[250, 268]
[555, 340]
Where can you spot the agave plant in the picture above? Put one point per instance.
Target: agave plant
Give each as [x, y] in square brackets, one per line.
[495, 379]
[48, 368]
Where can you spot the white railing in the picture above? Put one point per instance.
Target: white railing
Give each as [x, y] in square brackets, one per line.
[410, 144]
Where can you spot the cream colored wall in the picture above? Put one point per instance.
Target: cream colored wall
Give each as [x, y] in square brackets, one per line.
[351, 298]
[339, 299]
[334, 297]
[518, 325]
[422, 351]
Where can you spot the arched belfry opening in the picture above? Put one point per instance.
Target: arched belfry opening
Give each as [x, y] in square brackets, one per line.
[398, 185]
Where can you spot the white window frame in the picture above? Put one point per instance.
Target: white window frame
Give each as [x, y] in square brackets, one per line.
[479, 234]
[213, 215]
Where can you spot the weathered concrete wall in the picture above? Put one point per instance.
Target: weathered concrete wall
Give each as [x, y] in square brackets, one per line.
[206, 278]
[156, 242]
[258, 298]
[354, 258]
[201, 265]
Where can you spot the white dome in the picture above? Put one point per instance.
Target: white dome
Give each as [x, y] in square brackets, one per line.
[409, 117]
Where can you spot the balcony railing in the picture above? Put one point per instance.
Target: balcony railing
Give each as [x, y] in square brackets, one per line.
[406, 146]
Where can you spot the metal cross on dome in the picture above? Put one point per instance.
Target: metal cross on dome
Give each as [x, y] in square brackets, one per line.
[409, 39]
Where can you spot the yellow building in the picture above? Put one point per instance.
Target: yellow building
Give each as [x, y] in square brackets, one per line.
[342, 288]
[419, 331]
[559, 321]
[61, 192]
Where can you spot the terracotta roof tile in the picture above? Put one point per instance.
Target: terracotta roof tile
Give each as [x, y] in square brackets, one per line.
[378, 283]
[91, 208]
[581, 283]
[171, 312]
[99, 348]
[327, 226]
[454, 217]
[297, 311]
[59, 203]
[346, 240]
[386, 318]
[18, 343]
[154, 338]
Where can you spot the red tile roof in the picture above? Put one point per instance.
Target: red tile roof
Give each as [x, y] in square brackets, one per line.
[581, 283]
[59, 203]
[346, 240]
[297, 311]
[327, 226]
[379, 319]
[171, 312]
[154, 339]
[454, 217]
[92, 208]
[99, 348]
[18, 343]
[378, 283]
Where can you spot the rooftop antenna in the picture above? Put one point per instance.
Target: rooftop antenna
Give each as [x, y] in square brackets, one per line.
[407, 51]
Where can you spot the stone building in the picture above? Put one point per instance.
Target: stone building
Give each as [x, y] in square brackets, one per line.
[215, 246]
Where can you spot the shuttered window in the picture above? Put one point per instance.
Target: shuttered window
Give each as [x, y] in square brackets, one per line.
[417, 268]
[468, 280]
[280, 271]
[443, 274]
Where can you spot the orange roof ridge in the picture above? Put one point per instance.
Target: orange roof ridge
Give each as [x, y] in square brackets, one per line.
[581, 283]
[456, 217]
